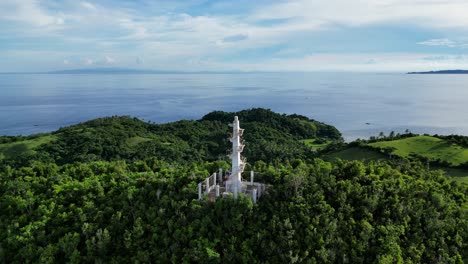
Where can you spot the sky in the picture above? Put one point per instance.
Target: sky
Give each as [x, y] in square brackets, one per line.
[235, 35]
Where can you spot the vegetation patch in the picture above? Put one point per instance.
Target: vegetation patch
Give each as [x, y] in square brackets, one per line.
[133, 141]
[459, 175]
[356, 153]
[23, 147]
[314, 212]
[432, 148]
[317, 144]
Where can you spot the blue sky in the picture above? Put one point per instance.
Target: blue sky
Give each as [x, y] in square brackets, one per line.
[192, 35]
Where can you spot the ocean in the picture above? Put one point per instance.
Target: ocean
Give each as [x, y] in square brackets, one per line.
[358, 104]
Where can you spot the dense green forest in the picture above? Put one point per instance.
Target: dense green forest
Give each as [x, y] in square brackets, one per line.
[119, 190]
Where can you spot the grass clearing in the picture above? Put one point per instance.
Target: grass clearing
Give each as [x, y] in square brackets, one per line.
[459, 175]
[427, 146]
[15, 149]
[460, 179]
[316, 143]
[132, 142]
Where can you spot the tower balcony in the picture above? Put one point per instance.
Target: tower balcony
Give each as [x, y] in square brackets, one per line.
[239, 132]
[244, 160]
[240, 148]
[241, 167]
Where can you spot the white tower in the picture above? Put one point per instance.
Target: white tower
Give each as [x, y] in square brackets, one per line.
[234, 183]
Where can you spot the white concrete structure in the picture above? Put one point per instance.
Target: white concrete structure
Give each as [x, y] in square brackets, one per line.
[215, 185]
[234, 183]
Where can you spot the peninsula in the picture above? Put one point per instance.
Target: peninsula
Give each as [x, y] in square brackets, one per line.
[442, 72]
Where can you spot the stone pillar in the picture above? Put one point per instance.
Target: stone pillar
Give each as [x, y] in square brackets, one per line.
[217, 190]
[207, 182]
[254, 195]
[235, 190]
[251, 177]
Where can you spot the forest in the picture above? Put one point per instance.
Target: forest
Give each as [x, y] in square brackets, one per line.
[121, 190]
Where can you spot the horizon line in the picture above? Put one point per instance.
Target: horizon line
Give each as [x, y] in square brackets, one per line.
[151, 71]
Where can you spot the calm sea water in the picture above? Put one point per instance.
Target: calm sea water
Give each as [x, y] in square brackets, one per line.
[33, 103]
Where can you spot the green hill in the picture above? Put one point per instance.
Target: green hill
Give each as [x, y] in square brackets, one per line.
[429, 147]
[440, 153]
[268, 136]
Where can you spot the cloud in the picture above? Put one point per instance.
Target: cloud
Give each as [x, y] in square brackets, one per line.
[29, 12]
[425, 13]
[109, 60]
[88, 61]
[235, 38]
[371, 61]
[447, 58]
[444, 43]
[436, 58]
[105, 60]
[88, 6]
[172, 35]
[439, 42]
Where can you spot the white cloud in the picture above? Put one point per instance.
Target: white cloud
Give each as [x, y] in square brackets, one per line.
[235, 38]
[445, 43]
[447, 58]
[98, 60]
[176, 40]
[109, 60]
[88, 6]
[439, 42]
[317, 13]
[88, 61]
[29, 12]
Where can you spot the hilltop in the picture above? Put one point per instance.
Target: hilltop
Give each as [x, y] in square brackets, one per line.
[268, 136]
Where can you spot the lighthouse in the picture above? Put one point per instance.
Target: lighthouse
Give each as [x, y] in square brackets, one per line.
[218, 186]
[234, 183]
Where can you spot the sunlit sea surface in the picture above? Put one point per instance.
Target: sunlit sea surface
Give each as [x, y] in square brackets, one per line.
[358, 104]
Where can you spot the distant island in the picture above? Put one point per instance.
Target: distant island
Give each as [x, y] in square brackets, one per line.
[106, 71]
[127, 71]
[130, 71]
[442, 72]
